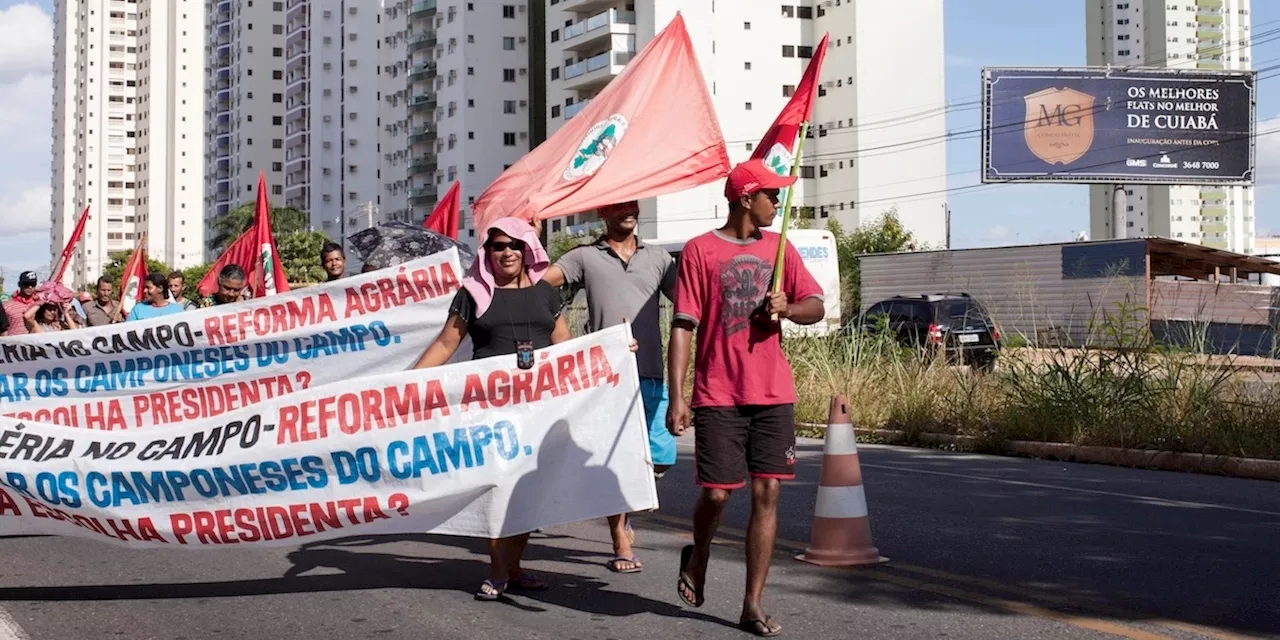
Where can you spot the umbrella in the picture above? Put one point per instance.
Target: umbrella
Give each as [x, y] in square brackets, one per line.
[394, 243]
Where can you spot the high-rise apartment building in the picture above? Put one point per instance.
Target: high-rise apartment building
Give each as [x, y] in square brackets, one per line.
[128, 130]
[331, 111]
[244, 102]
[877, 140]
[455, 90]
[1182, 34]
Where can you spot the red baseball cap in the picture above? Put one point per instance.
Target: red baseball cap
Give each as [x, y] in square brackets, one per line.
[752, 176]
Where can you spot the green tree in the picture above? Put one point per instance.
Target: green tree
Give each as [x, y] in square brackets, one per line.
[561, 243]
[191, 277]
[300, 255]
[882, 235]
[115, 268]
[226, 228]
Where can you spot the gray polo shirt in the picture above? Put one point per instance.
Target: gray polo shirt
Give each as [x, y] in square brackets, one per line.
[617, 290]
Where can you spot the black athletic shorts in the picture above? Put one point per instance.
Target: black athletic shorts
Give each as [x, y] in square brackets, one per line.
[731, 442]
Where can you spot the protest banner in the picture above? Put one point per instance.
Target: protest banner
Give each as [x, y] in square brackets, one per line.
[206, 362]
[477, 448]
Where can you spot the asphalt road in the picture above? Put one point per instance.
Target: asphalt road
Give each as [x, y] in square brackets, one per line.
[981, 547]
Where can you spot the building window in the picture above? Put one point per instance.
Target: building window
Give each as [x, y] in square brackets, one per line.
[509, 11]
[555, 111]
[747, 106]
[804, 52]
[805, 13]
[471, 168]
[508, 139]
[277, 97]
[788, 51]
[508, 75]
[277, 166]
[788, 11]
[746, 26]
[277, 52]
[508, 44]
[746, 66]
[471, 71]
[806, 172]
[508, 106]
[788, 90]
[277, 144]
[277, 29]
[555, 35]
[555, 73]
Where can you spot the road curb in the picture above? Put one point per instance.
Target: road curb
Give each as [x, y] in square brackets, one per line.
[1253, 468]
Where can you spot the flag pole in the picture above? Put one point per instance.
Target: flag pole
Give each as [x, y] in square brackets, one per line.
[786, 214]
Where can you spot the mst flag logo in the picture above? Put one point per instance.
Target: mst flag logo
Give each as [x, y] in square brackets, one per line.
[601, 139]
[1059, 125]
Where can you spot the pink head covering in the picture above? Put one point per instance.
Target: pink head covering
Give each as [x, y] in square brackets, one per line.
[479, 281]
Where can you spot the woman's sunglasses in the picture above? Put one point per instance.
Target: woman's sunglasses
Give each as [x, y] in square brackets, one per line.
[499, 247]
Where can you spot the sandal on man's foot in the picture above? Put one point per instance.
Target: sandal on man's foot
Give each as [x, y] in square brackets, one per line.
[619, 565]
[490, 590]
[686, 583]
[526, 582]
[766, 628]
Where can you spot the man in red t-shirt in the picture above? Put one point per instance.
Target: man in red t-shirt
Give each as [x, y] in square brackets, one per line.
[743, 393]
[22, 300]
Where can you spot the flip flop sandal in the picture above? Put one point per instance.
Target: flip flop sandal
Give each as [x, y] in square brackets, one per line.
[766, 628]
[613, 565]
[527, 582]
[685, 554]
[490, 590]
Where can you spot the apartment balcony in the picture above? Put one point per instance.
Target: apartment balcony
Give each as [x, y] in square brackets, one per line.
[424, 40]
[1204, 33]
[1209, 64]
[422, 166]
[575, 108]
[423, 195]
[596, 71]
[424, 71]
[422, 9]
[1209, 4]
[596, 31]
[1208, 19]
[422, 133]
[585, 6]
[422, 102]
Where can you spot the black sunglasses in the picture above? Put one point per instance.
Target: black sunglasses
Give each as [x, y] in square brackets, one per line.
[499, 247]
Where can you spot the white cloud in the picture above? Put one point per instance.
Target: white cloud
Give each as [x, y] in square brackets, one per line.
[998, 233]
[26, 42]
[959, 61]
[1267, 152]
[26, 211]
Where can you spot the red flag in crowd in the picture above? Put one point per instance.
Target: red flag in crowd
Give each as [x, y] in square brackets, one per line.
[255, 252]
[135, 271]
[651, 131]
[65, 258]
[270, 277]
[445, 217]
[778, 146]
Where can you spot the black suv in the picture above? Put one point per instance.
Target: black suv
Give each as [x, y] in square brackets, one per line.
[954, 322]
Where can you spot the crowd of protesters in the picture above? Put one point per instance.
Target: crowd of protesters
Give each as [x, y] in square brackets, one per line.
[509, 305]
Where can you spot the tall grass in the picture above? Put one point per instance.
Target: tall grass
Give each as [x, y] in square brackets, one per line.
[1124, 391]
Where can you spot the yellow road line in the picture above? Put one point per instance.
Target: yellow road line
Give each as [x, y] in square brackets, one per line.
[1093, 624]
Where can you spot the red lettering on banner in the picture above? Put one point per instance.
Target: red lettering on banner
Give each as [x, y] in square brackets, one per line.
[273, 319]
[8, 504]
[473, 392]
[192, 402]
[357, 412]
[276, 522]
[405, 288]
[601, 371]
[125, 530]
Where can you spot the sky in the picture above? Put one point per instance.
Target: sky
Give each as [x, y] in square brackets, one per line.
[1030, 34]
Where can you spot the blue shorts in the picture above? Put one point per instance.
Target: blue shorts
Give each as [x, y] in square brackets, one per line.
[662, 445]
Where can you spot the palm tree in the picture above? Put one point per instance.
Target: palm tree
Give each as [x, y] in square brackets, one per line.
[226, 228]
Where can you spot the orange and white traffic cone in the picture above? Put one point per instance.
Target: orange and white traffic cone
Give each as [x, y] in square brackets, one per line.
[841, 527]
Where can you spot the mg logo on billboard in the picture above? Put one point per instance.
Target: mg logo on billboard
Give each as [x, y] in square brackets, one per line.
[1059, 124]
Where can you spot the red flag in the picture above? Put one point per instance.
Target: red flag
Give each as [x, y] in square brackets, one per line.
[241, 252]
[268, 275]
[651, 131]
[65, 258]
[135, 271]
[445, 217]
[778, 146]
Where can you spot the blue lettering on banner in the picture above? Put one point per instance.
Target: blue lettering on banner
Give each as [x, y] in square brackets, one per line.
[111, 490]
[814, 253]
[439, 454]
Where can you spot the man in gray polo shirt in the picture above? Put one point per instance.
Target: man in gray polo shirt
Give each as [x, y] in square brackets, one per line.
[623, 279]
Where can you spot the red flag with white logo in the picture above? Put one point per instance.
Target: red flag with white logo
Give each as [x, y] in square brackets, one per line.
[135, 271]
[651, 131]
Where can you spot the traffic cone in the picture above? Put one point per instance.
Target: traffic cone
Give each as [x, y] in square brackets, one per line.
[841, 527]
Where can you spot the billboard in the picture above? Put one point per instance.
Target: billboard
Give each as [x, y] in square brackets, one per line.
[1132, 126]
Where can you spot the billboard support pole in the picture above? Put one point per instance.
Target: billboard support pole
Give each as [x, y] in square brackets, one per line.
[1119, 207]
